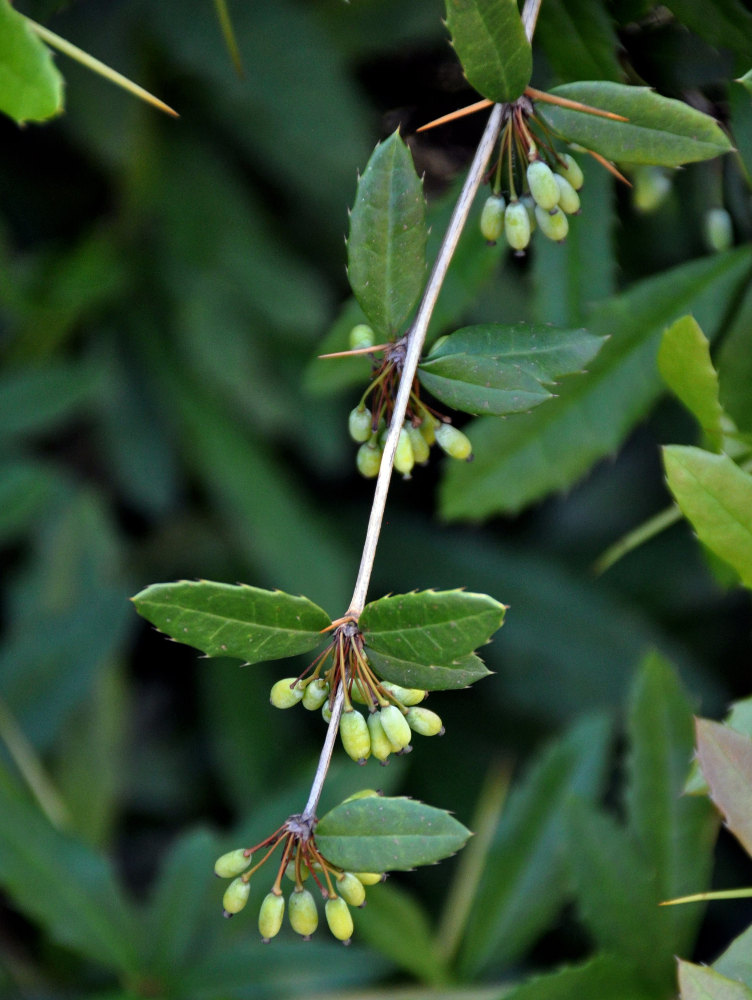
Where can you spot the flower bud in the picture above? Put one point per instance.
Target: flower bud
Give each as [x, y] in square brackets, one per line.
[339, 919]
[424, 722]
[304, 917]
[427, 428]
[408, 696]
[359, 424]
[569, 200]
[270, 916]
[652, 185]
[369, 878]
[351, 889]
[326, 712]
[290, 871]
[454, 442]
[368, 459]
[554, 225]
[356, 740]
[232, 863]
[492, 218]
[568, 167]
[315, 694]
[395, 726]
[421, 450]
[381, 748]
[404, 459]
[361, 336]
[719, 232]
[543, 186]
[235, 897]
[284, 695]
[517, 226]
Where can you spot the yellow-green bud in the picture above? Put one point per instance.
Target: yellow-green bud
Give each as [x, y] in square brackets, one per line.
[569, 200]
[568, 167]
[395, 726]
[359, 424]
[719, 231]
[453, 442]
[554, 224]
[428, 427]
[404, 460]
[270, 916]
[339, 919]
[543, 186]
[284, 695]
[424, 721]
[492, 218]
[315, 694]
[355, 737]
[381, 748]
[517, 226]
[304, 917]
[290, 871]
[326, 712]
[368, 459]
[351, 889]
[408, 696]
[361, 336]
[421, 451]
[369, 878]
[232, 863]
[235, 897]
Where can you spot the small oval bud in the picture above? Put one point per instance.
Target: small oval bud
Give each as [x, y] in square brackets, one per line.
[315, 694]
[404, 460]
[568, 167]
[453, 442]
[652, 185]
[492, 218]
[232, 863]
[421, 451]
[569, 200]
[270, 916]
[424, 721]
[339, 918]
[304, 917]
[381, 748]
[516, 226]
[554, 225]
[368, 459]
[326, 712]
[529, 204]
[543, 186]
[395, 726]
[361, 336]
[356, 740]
[290, 871]
[408, 696]
[369, 878]
[236, 896]
[427, 428]
[284, 695]
[359, 424]
[351, 889]
[719, 231]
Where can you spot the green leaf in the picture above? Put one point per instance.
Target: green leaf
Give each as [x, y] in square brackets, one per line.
[725, 24]
[715, 496]
[524, 457]
[35, 400]
[594, 979]
[698, 982]
[379, 834]
[430, 626]
[736, 961]
[746, 81]
[579, 40]
[659, 131]
[725, 758]
[221, 619]
[31, 89]
[493, 369]
[685, 366]
[734, 362]
[25, 489]
[386, 250]
[459, 673]
[490, 41]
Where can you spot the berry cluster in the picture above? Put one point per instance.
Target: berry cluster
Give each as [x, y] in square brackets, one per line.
[300, 859]
[423, 426]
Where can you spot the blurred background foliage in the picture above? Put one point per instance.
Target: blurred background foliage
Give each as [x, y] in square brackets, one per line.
[164, 289]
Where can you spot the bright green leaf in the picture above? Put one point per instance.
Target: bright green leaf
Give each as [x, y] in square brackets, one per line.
[659, 131]
[490, 41]
[380, 834]
[698, 982]
[459, 673]
[492, 369]
[595, 979]
[386, 250]
[685, 366]
[715, 496]
[430, 626]
[725, 758]
[31, 89]
[221, 619]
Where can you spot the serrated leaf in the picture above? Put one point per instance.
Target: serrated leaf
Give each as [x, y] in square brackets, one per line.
[524, 457]
[725, 758]
[430, 626]
[379, 834]
[715, 496]
[31, 89]
[698, 982]
[490, 41]
[686, 368]
[599, 977]
[458, 673]
[221, 619]
[659, 130]
[494, 369]
[386, 249]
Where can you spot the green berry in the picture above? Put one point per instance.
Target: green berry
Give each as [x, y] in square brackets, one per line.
[235, 897]
[492, 218]
[408, 696]
[368, 459]
[517, 226]
[652, 185]
[569, 200]
[568, 167]
[542, 184]
[554, 225]
[304, 917]
[369, 878]
[315, 694]
[421, 450]
[339, 919]
[290, 871]
[284, 695]
[359, 424]
[529, 204]
[361, 336]
[232, 863]
[395, 726]
[719, 231]
[381, 748]
[404, 459]
[424, 722]
[326, 712]
[427, 428]
[355, 737]
[453, 442]
[351, 889]
[270, 916]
